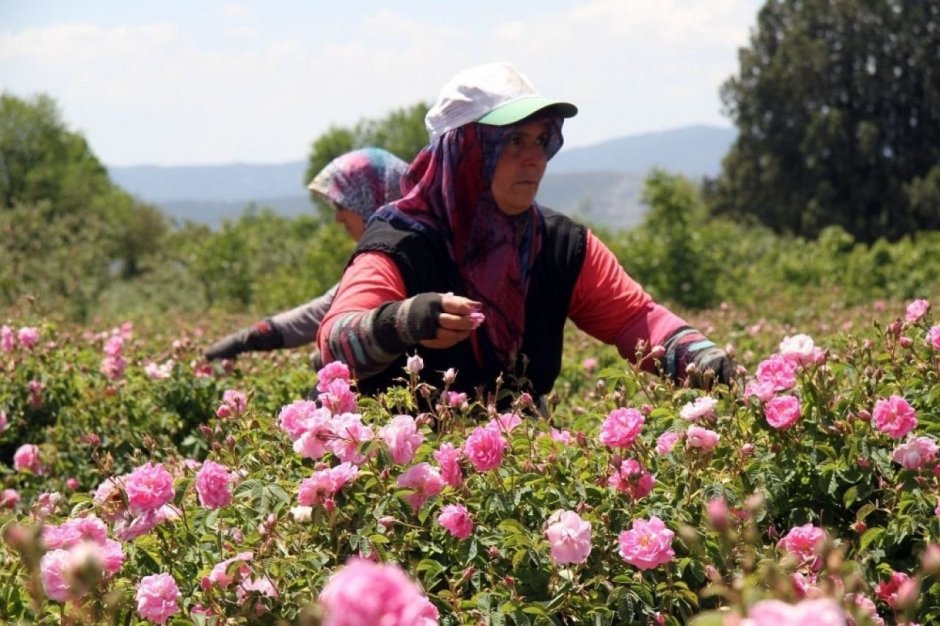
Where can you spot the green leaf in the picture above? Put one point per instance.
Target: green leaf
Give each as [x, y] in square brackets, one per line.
[870, 535]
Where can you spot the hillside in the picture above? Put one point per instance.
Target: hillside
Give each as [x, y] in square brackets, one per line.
[601, 183]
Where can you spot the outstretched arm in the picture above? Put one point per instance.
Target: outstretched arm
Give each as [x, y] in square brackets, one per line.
[611, 306]
[299, 325]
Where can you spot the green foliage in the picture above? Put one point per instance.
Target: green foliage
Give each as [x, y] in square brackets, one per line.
[401, 132]
[832, 469]
[838, 110]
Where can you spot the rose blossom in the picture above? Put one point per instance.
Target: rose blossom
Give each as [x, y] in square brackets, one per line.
[804, 542]
[818, 612]
[569, 537]
[763, 391]
[28, 337]
[561, 436]
[783, 411]
[213, 485]
[648, 544]
[777, 370]
[324, 484]
[414, 364]
[701, 408]
[7, 338]
[456, 519]
[221, 577]
[621, 428]
[801, 350]
[915, 453]
[26, 459]
[631, 479]
[350, 434]
[235, 399]
[9, 498]
[894, 416]
[52, 571]
[157, 598]
[424, 480]
[448, 459]
[484, 448]
[697, 437]
[505, 422]
[666, 442]
[402, 437]
[148, 487]
[933, 337]
[314, 434]
[4, 422]
[330, 372]
[455, 399]
[364, 593]
[293, 418]
[916, 310]
[158, 372]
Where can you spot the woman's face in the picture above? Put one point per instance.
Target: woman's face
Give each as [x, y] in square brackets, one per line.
[353, 222]
[520, 167]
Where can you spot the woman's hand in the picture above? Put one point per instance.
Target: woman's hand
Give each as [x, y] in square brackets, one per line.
[458, 317]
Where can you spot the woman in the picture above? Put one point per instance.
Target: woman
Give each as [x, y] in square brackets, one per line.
[470, 273]
[355, 185]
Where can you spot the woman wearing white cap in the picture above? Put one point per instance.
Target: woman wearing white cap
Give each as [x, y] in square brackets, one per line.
[354, 184]
[470, 273]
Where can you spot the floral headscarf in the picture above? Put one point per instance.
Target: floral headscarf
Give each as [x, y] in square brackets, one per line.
[361, 181]
[448, 190]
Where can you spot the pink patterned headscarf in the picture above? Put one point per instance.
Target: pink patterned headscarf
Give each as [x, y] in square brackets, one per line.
[448, 190]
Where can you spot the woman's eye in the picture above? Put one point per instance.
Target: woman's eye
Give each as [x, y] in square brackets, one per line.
[543, 139]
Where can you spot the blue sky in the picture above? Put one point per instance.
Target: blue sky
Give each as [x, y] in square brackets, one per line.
[211, 82]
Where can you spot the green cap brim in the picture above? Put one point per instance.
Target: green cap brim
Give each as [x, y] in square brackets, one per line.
[516, 111]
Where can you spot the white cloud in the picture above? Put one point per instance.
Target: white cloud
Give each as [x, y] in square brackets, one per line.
[163, 94]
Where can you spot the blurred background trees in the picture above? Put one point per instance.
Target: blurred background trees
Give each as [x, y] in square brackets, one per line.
[837, 104]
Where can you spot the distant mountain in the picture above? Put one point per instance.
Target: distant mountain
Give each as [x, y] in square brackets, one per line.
[601, 183]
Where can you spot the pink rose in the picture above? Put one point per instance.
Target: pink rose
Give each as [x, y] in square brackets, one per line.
[631, 479]
[701, 408]
[801, 350]
[159, 372]
[223, 575]
[933, 337]
[157, 598]
[7, 338]
[778, 371]
[718, 514]
[53, 568]
[505, 423]
[424, 481]
[330, 372]
[294, 417]
[648, 544]
[916, 310]
[455, 399]
[114, 347]
[237, 400]
[915, 453]
[112, 556]
[456, 519]
[350, 433]
[148, 487]
[898, 590]
[324, 484]
[783, 411]
[763, 391]
[621, 428]
[338, 397]
[894, 416]
[28, 337]
[666, 442]
[561, 436]
[484, 448]
[414, 364]
[26, 459]
[804, 542]
[364, 593]
[113, 367]
[589, 364]
[569, 537]
[697, 437]
[213, 485]
[448, 459]
[9, 499]
[820, 612]
[314, 433]
[402, 437]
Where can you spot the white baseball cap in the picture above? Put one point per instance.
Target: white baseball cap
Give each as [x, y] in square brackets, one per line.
[493, 93]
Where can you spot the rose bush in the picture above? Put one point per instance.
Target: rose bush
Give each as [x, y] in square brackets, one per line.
[216, 495]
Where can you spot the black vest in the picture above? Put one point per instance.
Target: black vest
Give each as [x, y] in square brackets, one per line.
[425, 266]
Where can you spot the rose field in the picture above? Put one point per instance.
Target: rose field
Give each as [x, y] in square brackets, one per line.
[144, 485]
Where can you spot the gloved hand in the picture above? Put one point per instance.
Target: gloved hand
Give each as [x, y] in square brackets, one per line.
[260, 337]
[711, 365]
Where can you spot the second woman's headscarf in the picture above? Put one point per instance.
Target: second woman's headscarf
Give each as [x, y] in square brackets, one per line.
[361, 180]
[448, 189]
